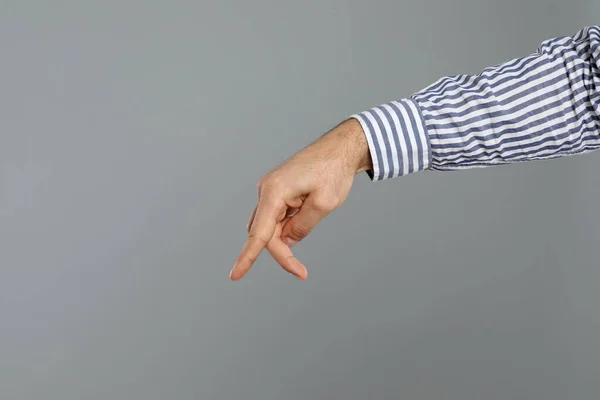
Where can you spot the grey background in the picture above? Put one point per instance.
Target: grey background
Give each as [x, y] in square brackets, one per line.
[132, 135]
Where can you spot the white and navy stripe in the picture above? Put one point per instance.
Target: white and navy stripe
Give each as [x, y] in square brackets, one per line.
[397, 139]
[542, 106]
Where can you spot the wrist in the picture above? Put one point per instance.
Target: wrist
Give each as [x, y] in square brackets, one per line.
[357, 151]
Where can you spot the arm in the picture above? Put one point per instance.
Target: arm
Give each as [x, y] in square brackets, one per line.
[542, 106]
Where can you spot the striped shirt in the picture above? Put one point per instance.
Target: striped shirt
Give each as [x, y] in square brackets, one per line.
[542, 106]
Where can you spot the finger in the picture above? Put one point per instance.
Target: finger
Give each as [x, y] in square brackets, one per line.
[283, 255]
[305, 220]
[260, 234]
[250, 220]
[284, 214]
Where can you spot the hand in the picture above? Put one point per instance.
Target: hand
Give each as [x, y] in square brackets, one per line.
[296, 195]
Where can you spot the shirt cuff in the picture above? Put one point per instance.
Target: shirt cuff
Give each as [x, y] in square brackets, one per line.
[397, 137]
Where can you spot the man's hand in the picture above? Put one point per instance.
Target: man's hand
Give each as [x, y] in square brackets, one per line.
[299, 193]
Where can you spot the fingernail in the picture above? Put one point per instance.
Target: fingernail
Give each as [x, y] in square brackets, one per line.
[290, 242]
[300, 270]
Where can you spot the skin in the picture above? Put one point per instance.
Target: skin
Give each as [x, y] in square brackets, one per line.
[296, 195]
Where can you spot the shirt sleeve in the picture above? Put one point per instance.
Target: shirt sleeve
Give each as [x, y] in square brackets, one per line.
[542, 106]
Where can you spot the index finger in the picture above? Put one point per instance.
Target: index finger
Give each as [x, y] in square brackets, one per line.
[261, 232]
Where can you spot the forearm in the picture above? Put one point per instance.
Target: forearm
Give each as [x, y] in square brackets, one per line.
[349, 138]
[542, 106]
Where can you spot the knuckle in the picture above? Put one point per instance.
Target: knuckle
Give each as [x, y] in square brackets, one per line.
[271, 193]
[298, 231]
[251, 259]
[259, 238]
[268, 181]
[269, 185]
[325, 204]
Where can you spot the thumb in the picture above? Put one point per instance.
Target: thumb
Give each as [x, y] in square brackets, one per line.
[312, 211]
